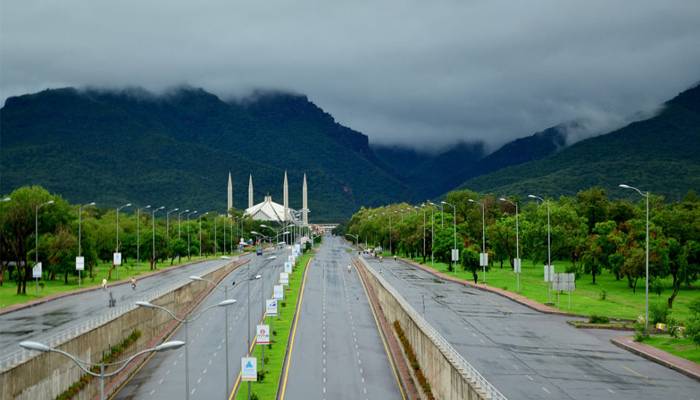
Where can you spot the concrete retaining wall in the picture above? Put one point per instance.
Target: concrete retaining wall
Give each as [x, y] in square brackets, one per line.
[450, 376]
[49, 374]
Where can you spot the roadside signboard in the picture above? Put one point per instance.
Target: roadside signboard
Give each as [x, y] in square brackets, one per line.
[271, 307]
[249, 369]
[284, 278]
[80, 263]
[278, 293]
[288, 267]
[117, 259]
[36, 271]
[564, 282]
[263, 334]
[516, 265]
[455, 254]
[483, 259]
[291, 259]
[548, 273]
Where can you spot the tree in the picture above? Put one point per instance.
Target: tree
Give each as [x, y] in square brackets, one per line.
[470, 260]
[62, 250]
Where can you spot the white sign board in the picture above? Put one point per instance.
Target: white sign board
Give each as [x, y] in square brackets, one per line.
[297, 248]
[80, 263]
[284, 278]
[288, 267]
[564, 282]
[263, 334]
[455, 255]
[548, 273]
[36, 271]
[249, 369]
[278, 292]
[483, 259]
[117, 259]
[517, 265]
[271, 307]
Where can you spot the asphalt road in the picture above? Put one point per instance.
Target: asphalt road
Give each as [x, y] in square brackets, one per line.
[35, 323]
[338, 352]
[163, 376]
[530, 355]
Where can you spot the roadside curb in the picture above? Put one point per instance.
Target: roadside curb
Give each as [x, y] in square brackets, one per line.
[503, 293]
[685, 367]
[34, 303]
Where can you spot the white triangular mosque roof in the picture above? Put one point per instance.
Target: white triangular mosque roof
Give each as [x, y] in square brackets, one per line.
[268, 210]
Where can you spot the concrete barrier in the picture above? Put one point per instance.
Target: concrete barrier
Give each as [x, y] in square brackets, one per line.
[47, 375]
[450, 376]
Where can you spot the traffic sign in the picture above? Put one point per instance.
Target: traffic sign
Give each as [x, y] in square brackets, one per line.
[117, 259]
[80, 263]
[483, 259]
[288, 267]
[271, 307]
[249, 369]
[284, 278]
[278, 292]
[263, 334]
[36, 271]
[455, 254]
[517, 265]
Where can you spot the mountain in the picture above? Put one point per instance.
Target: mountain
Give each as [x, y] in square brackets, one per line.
[176, 149]
[660, 154]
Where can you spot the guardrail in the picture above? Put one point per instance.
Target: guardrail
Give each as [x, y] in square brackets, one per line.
[464, 367]
[64, 334]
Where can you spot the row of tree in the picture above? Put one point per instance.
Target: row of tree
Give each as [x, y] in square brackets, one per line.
[59, 233]
[592, 231]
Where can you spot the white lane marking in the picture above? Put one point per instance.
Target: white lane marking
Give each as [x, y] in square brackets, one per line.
[529, 377]
[152, 392]
[545, 389]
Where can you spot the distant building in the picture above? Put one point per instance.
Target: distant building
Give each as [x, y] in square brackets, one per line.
[268, 210]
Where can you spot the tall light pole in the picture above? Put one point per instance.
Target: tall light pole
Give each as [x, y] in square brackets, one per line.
[432, 233]
[442, 215]
[646, 286]
[188, 233]
[36, 237]
[138, 233]
[483, 234]
[200, 232]
[167, 223]
[116, 267]
[215, 218]
[454, 227]
[85, 366]
[178, 222]
[516, 262]
[80, 232]
[186, 321]
[224, 229]
[549, 231]
[424, 212]
[250, 278]
[153, 232]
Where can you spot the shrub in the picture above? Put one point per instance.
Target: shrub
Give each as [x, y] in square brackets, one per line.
[692, 330]
[603, 294]
[639, 332]
[658, 313]
[656, 286]
[598, 319]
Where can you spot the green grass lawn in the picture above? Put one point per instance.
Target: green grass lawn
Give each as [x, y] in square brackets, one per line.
[620, 301]
[681, 347]
[280, 326]
[9, 296]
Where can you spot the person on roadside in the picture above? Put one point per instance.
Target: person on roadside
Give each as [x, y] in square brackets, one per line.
[133, 283]
[104, 283]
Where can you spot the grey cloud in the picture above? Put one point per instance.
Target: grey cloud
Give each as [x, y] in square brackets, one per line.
[420, 73]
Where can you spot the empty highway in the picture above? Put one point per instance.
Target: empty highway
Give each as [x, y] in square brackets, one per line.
[527, 354]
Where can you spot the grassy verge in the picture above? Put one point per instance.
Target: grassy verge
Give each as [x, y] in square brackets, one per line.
[9, 296]
[681, 347]
[608, 297]
[280, 326]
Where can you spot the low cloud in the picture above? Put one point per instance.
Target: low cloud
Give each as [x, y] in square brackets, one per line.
[423, 74]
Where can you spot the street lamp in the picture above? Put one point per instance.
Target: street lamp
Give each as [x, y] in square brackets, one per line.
[167, 223]
[116, 267]
[516, 262]
[188, 233]
[250, 278]
[200, 232]
[85, 366]
[484, 259]
[36, 237]
[138, 233]
[549, 234]
[186, 321]
[153, 232]
[454, 226]
[646, 289]
[80, 233]
[178, 222]
[432, 233]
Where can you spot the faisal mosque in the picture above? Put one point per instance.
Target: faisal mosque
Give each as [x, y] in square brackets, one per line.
[270, 211]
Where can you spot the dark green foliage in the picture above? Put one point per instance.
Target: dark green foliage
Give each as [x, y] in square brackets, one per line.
[598, 319]
[658, 313]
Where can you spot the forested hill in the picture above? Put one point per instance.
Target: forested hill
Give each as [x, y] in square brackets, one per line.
[660, 154]
[176, 149]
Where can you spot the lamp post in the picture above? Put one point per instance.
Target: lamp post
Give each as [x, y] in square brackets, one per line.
[84, 365]
[483, 234]
[432, 233]
[357, 238]
[199, 278]
[116, 267]
[153, 233]
[188, 234]
[186, 321]
[80, 232]
[215, 218]
[200, 232]
[646, 286]
[454, 227]
[516, 262]
[248, 330]
[179, 215]
[36, 237]
[549, 230]
[167, 223]
[138, 233]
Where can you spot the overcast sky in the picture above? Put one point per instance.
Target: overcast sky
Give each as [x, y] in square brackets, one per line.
[424, 73]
